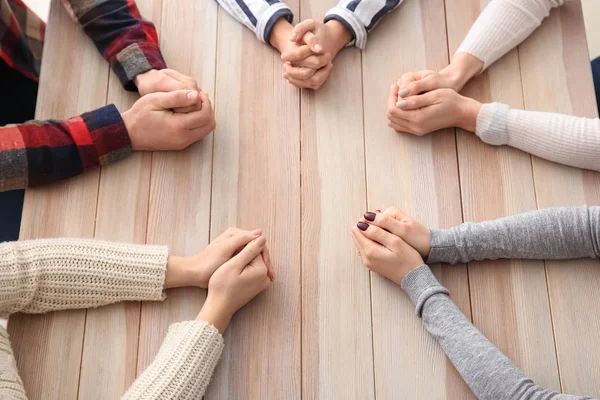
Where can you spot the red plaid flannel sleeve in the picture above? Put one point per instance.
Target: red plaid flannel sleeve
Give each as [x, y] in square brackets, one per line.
[127, 41]
[40, 152]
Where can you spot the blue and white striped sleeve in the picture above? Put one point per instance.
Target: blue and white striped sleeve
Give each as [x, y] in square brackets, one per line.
[360, 16]
[258, 15]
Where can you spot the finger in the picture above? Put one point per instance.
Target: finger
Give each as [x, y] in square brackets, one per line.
[239, 240]
[319, 78]
[392, 98]
[398, 127]
[299, 72]
[299, 83]
[378, 235]
[197, 119]
[301, 29]
[229, 232]
[419, 101]
[297, 54]
[267, 258]
[184, 110]
[314, 62]
[178, 98]
[313, 42]
[424, 85]
[386, 222]
[395, 213]
[248, 253]
[407, 78]
[366, 246]
[187, 81]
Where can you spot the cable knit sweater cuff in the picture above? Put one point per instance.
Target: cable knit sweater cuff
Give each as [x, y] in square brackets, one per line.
[492, 124]
[183, 366]
[57, 274]
[420, 285]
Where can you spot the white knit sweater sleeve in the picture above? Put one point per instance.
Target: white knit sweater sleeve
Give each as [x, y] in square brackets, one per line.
[183, 366]
[38, 276]
[564, 139]
[504, 24]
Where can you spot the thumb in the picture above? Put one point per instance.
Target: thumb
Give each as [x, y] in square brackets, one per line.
[176, 99]
[426, 84]
[301, 29]
[312, 42]
[239, 240]
[248, 253]
[420, 101]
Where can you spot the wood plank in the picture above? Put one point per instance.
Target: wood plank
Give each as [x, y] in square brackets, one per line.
[256, 183]
[336, 293]
[509, 297]
[113, 331]
[420, 176]
[48, 347]
[179, 211]
[557, 78]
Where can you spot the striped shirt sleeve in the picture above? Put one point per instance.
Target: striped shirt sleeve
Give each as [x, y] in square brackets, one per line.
[360, 16]
[258, 15]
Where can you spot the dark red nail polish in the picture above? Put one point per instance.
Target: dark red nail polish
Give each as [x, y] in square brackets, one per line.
[362, 226]
[370, 216]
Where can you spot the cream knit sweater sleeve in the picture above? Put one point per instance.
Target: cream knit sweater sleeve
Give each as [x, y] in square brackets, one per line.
[560, 138]
[504, 24]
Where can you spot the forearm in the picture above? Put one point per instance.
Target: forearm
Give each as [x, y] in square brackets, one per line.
[57, 274]
[40, 152]
[127, 41]
[564, 139]
[360, 19]
[488, 372]
[183, 366]
[11, 385]
[553, 233]
[502, 25]
[260, 16]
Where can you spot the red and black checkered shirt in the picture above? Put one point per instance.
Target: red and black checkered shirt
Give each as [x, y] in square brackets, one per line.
[39, 152]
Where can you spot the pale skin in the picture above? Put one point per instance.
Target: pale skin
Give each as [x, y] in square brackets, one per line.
[235, 267]
[425, 101]
[308, 50]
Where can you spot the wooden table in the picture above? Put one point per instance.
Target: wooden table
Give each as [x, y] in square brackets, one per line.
[305, 166]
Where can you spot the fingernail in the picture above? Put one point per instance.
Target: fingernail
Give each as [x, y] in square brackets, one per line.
[370, 216]
[392, 86]
[403, 92]
[402, 104]
[318, 47]
[191, 96]
[362, 226]
[257, 232]
[293, 37]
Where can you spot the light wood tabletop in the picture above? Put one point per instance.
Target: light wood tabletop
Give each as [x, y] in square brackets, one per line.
[304, 166]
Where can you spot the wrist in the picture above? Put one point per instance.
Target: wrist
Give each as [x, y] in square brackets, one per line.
[139, 78]
[462, 69]
[469, 113]
[215, 315]
[281, 33]
[179, 273]
[341, 36]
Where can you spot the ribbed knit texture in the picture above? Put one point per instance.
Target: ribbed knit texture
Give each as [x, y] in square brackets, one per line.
[504, 24]
[183, 366]
[560, 138]
[43, 275]
[11, 386]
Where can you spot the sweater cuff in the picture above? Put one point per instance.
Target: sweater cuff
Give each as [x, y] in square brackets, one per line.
[352, 23]
[420, 285]
[136, 59]
[183, 366]
[492, 124]
[267, 21]
[107, 132]
[442, 247]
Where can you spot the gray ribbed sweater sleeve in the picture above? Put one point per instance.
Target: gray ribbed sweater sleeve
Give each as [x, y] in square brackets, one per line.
[552, 233]
[488, 372]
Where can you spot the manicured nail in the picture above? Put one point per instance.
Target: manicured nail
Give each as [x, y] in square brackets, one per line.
[403, 92]
[318, 47]
[402, 104]
[362, 226]
[370, 216]
[191, 95]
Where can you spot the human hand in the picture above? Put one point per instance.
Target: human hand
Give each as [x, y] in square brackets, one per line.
[462, 68]
[405, 227]
[384, 252]
[196, 270]
[424, 113]
[235, 283]
[308, 66]
[152, 124]
[166, 80]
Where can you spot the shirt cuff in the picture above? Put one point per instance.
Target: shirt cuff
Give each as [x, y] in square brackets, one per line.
[492, 124]
[109, 136]
[136, 59]
[420, 285]
[352, 23]
[267, 21]
[442, 247]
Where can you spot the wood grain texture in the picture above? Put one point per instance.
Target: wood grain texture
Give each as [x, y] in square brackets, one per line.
[121, 216]
[65, 209]
[420, 176]
[565, 86]
[509, 297]
[337, 343]
[180, 187]
[256, 183]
